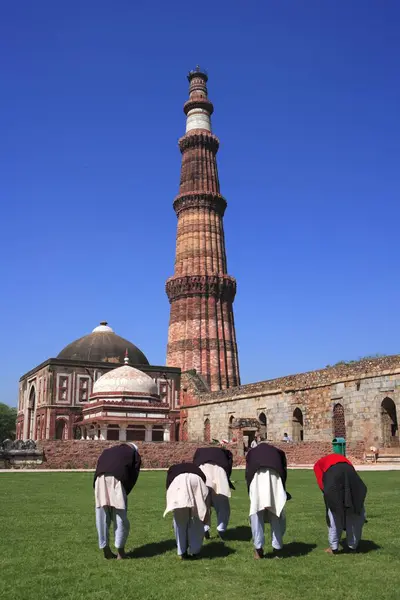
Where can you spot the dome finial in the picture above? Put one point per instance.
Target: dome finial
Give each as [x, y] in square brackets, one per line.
[103, 328]
[126, 359]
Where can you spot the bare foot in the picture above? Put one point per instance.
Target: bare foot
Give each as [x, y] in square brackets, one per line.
[121, 554]
[330, 551]
[258, 553]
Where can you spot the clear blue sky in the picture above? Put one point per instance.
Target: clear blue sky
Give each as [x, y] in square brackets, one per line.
[306, 99]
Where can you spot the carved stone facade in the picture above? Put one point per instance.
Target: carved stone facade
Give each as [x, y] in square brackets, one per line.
[52, 397]
[360, 402]
[201, 332]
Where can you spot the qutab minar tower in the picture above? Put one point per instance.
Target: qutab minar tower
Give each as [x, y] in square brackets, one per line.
[201, 331]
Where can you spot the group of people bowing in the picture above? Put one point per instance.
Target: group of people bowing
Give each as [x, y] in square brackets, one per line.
[194, 488]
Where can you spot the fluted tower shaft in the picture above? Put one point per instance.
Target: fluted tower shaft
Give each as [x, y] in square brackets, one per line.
[201, 331]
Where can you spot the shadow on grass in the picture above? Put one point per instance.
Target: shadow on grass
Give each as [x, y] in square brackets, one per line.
[364, 547]
[216, 550]
[212, 550]
[294, 549]
[153, 549]
[242, 533]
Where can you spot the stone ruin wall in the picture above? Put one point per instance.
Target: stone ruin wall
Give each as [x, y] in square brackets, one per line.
[360, 388]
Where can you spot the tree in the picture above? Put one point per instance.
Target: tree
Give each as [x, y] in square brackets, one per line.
[8, 416]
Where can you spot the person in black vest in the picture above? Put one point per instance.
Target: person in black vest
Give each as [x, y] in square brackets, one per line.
[216, 464]
[116, 474]
[266, 475]
[187, 499]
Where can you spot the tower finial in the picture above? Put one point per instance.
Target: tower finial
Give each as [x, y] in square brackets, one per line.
[126, 359]
[198, 109]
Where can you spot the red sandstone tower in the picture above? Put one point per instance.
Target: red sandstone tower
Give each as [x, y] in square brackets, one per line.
[201, 331]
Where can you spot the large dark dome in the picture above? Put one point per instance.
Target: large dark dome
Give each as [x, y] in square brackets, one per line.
[103, 345]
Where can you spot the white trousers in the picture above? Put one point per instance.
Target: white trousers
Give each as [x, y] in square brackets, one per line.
[354, 526]
[104, 516]
[189, 531]
[222, 509]
[278, 528]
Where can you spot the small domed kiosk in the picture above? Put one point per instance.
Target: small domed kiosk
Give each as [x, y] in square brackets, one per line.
[125, 406]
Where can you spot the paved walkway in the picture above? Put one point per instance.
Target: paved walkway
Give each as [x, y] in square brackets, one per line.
[371, 467]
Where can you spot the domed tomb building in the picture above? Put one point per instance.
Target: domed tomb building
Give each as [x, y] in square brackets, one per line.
[99, 370]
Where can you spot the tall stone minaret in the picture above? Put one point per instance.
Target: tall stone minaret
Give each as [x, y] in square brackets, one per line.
[201, 331]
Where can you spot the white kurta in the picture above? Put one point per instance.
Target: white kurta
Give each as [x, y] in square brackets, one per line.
[188, 491]
[217, 479]
[108, 491]
[267, 492]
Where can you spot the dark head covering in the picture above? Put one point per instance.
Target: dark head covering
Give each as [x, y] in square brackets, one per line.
[122, 462]
[267, 457]
[344, 492]
[185, 467]
[215, 456]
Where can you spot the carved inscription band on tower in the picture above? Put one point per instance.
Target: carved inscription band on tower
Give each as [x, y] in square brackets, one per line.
[201, 331]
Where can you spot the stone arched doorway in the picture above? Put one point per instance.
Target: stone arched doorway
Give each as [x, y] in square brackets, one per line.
[297, 426]
[390, 429]
[61, 429]
[339, 423]
[262, 417]
[31, 414]
[207, 430]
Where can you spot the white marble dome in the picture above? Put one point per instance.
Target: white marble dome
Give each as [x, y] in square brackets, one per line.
[125, 380]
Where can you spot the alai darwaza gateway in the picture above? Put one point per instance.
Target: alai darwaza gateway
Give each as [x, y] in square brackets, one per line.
[100, 386]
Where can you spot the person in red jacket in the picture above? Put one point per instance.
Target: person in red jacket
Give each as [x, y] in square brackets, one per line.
[344, 495]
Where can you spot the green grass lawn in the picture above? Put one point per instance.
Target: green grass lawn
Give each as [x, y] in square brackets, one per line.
[48, 546]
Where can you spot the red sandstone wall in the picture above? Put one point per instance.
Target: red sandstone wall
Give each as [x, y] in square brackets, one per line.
[77, 454]
[83, 454]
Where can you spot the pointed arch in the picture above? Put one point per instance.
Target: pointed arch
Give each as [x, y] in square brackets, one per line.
[389, 424]
[61, 429]
[339, 422]
[230, 427]
[262, 417]
[297, 425]
[207, 430]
